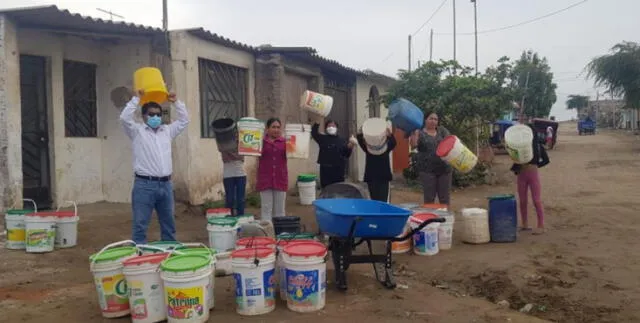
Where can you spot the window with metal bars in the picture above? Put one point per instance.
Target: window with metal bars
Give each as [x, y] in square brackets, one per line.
[223, 93]
[80, 107]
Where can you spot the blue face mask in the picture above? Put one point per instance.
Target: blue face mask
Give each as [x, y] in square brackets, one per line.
[154, 122]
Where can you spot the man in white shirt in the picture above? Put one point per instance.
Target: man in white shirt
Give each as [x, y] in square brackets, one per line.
[151, 142]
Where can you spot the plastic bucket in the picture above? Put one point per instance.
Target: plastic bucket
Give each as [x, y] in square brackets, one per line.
[519, 143]
[317, 103]
[40, 231]
[202, 250]
[218, 213]
[186, 279]
[226, 134]
[405, 115]
[425, 241]
[402, 246]
[150, 80]
[67, 227]
[250, 132]
[475, 226]
[146, 297]
[14, 222]
[222, 233]
[445, 231]
[307, 192]
[456, 154]
[298, 139]
[111, 285]
[159, 247]
[280, 268]
[375, 135]
[256, 242]
[306, 276]
[254, 274]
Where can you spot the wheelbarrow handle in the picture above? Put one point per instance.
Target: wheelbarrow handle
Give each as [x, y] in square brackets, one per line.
[420, 227]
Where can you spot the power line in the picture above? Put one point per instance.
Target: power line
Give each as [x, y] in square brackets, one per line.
[521, 23]
[428, 20]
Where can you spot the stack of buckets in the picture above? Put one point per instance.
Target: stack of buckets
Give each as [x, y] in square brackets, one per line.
[39, 232]
[432, 238]
[307, 188]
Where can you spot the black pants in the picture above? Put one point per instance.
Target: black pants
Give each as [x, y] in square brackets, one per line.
[436, 185]
[379, 191]
[330, 174]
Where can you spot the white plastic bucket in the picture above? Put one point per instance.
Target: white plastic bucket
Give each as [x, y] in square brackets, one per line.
[186, 279]
[518, 141]
[146, 290]
[425, 241]
[456, 154]
[298, 139]
[111, 285]
[254, 274]
[218, 213]
[307, 192]
[40, 230]
[475, 226]
[15, 227]
[445, 232]
[374, 131]
[222, 233]
[67, 227]
[306, 276]
[250, 133]
[317, 103]
[281, 269]
[202, 250]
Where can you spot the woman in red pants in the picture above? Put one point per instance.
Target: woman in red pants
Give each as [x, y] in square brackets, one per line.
[528, 178]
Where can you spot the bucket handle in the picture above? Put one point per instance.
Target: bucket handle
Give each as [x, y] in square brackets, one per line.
[35, 206]
[107, 247]
[75, 207]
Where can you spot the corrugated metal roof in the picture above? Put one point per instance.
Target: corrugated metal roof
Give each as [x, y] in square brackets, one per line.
[217, 39]
[52, 17]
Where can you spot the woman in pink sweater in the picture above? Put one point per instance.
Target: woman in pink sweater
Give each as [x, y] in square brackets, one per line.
[273, 178]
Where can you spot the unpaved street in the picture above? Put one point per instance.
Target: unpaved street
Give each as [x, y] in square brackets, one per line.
[584, 269]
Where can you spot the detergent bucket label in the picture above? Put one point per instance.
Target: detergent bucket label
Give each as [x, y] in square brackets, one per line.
[185, 303]
[303, 287]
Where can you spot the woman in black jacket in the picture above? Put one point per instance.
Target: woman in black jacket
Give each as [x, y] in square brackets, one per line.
[377, 169]
[333, 155]
[528, 178]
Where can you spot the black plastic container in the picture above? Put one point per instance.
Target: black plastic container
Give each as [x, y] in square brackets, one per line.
[286, 224]
[226, 134]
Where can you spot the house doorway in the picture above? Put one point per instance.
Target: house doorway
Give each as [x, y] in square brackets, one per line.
[35, 131]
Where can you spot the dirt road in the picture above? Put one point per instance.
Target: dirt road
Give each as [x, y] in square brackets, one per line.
[584, 269]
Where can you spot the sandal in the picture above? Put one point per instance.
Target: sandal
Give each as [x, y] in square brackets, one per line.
[524, 229]
[538, 231]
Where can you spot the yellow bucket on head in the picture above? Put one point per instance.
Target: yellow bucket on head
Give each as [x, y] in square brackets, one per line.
[150, 80]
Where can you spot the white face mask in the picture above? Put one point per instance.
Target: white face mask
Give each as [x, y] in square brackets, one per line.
[332, 130]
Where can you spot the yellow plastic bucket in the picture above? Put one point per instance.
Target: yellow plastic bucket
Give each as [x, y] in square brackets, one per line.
[456, 154]
[150, 80]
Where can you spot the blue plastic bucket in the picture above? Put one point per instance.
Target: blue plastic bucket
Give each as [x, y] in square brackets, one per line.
[406, 115]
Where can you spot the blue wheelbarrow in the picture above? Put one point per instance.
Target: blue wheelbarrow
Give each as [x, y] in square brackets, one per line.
[351, 222]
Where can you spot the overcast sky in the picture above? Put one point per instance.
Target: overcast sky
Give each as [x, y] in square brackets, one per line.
[373, 33]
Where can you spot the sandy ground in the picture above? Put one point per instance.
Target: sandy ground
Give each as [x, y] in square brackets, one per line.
[584, 269]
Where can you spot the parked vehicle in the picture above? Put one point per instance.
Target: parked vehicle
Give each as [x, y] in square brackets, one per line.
[587, 127]
[540, 126]
[497, 135]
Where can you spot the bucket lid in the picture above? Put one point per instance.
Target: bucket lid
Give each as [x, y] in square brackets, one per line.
[283, 243]
[153, 259]
[421, 217]
[113, 254]
[446, 145]
[195, 251]
[306, 177]
[219, 210]
[165, 243]
[250, 119]
[19, 212]
[295, 236]
[245, 216]
[65, 214]
[43, 214]
[256, 242]
[501, 197]
[226, 222]
[185, 263]
[252, 253]
[306, 249]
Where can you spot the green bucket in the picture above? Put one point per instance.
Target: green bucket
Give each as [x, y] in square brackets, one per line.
[113, 254]
[185, 263]
[224, 222]
[306, 178]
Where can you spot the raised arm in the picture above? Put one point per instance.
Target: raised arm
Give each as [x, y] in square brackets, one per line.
[361, 142]
[315, 132]
[176, 127]
[127, 119]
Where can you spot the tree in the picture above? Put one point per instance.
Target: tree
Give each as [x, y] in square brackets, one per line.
[577, 102]
[619, 72]
[531, 77]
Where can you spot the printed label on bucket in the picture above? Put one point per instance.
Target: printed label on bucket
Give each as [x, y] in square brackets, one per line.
[113, 293]
[315, 101]
[40, 237]
[16, 235]
[185, 303]
[250, 141]
[269, 281]
[425, 241]
[255, 288]
[145, 299]
[302, 287]
[291, 144]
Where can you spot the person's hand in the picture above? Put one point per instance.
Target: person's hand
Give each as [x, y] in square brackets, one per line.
[352, 142]
[172, 97]
[138, 93]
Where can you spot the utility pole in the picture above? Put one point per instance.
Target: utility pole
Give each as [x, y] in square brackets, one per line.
[454, 29]
[409, 54]
[475, 29]
[165, 16]
[526, 86]
[431, 45]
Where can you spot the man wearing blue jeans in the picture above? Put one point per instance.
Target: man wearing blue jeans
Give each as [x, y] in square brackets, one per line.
[152, 166]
